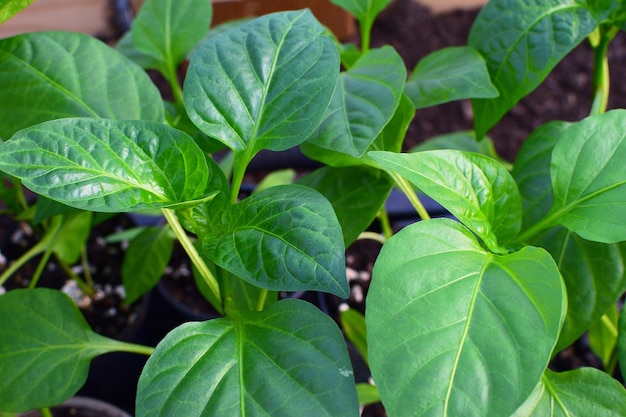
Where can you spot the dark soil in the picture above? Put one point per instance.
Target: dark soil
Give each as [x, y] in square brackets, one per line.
[564, 95]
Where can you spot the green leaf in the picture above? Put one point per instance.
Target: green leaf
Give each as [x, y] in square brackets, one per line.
[367, 393]
[45, 349]
[390, 139]
[589, 179]
[9, 8]
[51, 75]
[166, 30]
[522, 42]
[593, 274]
[289, 360]
[579, 393]
[356, 193]
[107, 165]
[145, 261]
[460, 141]
[353, 325]
[465, 332]
[365, 99]
[265, 84]
[363, 9]
[603, 336]
[621, 341]
[531, 171]
[72, 238]
[450, 74]
[285, 238]
[476, 189]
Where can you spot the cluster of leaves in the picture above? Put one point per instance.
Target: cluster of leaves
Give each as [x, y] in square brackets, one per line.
[462, 317]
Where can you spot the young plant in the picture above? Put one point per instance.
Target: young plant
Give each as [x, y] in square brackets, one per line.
[462, 317]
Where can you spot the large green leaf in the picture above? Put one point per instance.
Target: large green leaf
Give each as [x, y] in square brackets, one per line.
[51, 75]
[9, 8]
[531, 171]
[522, 41]
[452, 73]
[589, 179]
[593, 274]
[389, 139]
[166, 30]
[284, 238]
[455, 330]
[107, 165]
[475, 188]
[580, 393]
[45, 349]
[356, 193]
[365, 99]
[265, 84]
[289, 360]
[145, 261]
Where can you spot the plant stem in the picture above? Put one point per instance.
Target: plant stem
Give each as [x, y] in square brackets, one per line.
[366, 30]
[172, 78]
[385, 224]
[408, 190]
[194, 256]
[134, 348]
[600, 77]
[239, 170]
[372, 236]
[45, 412]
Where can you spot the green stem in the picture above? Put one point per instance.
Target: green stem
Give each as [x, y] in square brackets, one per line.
[385, 224]
[45, 412]
[86, 270]
[372, 236]
[134, 348]
[240, 165]
[262, 299]
[408, 190]
[172, 78]
[600, 77]
[366, 30]
[194, 256]
[84, 287]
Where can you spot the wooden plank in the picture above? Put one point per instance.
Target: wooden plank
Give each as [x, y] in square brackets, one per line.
[86, 16]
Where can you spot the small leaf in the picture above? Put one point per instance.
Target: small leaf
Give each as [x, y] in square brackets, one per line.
[289, 360]
[476, 189]
[9, 8]
[72, 238]
[166, 30]
[521, 43]
[390, 139]
[356, 193]
[589, 179]
[582, 392]
[285, 238]
[363, 10]
[45, 349]
[603, 336]
[107, 165]
[531, 171]
[450, 74]
[460, 141]
[365, 99]
[466, 332]
[145, 261]
[353, 325]
[51, 75]
[265, 84]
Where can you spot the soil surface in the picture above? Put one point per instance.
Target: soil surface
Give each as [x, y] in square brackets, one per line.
[565, 95]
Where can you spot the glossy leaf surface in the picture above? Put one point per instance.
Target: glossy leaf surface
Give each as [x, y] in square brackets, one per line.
[166, 30]
[531, 171]
[466, 332]
[285, 238]
[145, 261]
[51, 75]
[9, 8]
[356, 193]
[449, 74]
[107, 165]
[594, 278]
[589, 179]
[522, 41]
[389, 139]
[582, 392]
[265, 84]
[476, 189]
[45, 349]
[365, 99]
[289, 360]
